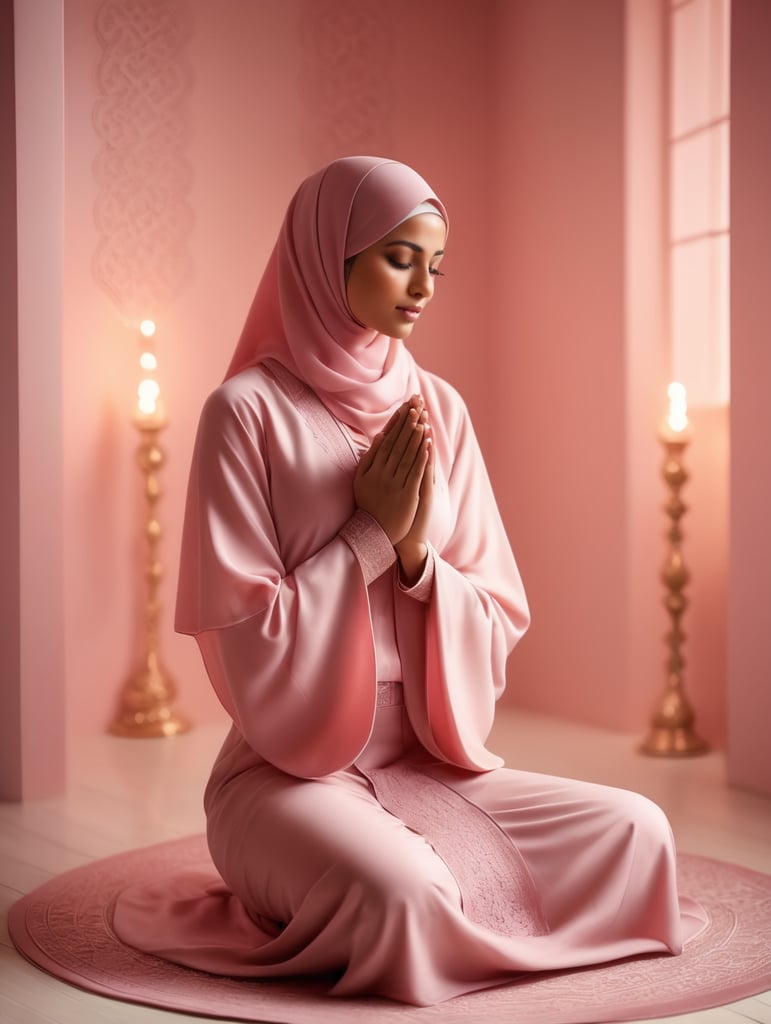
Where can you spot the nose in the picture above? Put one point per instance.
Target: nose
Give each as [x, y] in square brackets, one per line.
[421, 282]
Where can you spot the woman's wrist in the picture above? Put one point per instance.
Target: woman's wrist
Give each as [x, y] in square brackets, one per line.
[369, 543]
[412, 561]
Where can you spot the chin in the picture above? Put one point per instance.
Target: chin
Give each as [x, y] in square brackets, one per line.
[403, 332]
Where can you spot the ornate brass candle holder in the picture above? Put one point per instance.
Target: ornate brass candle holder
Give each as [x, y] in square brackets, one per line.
[147, 698]
[671, 733]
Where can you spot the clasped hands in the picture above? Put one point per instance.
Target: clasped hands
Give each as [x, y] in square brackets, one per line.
[394, 483]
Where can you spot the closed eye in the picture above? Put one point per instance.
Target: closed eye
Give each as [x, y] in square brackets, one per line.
[408, 266]
[398, 264]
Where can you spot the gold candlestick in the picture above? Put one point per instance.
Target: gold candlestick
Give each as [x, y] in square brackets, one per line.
[147, 698]
[671, 733]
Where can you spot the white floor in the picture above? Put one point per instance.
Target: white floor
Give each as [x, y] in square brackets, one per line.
[126, 793]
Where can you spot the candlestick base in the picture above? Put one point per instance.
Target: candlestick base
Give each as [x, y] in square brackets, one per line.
[147, 697]
[672, 733]
[146, 705]
[678, 742]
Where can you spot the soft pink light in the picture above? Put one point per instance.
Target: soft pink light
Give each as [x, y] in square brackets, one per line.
[677, 418]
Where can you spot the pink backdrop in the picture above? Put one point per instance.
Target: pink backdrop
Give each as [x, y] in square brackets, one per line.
[539, 124]
[749, 664]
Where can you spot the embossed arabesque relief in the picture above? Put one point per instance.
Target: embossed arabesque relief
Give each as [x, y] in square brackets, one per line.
[142, 209]
[342, 76]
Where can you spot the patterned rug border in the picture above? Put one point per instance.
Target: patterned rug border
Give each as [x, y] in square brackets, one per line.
[65, 928]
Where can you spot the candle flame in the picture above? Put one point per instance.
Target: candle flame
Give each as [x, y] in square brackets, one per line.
[148, 392]
[678, 408]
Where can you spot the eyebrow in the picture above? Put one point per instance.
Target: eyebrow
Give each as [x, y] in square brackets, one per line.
[411, 245]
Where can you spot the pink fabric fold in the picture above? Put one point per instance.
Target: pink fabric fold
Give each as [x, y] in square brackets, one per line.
[285, 615]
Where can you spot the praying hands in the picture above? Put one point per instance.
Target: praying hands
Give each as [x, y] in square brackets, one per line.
[394, 484]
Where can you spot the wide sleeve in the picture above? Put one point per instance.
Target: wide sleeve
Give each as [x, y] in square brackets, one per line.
[476, 612]
[289, 653]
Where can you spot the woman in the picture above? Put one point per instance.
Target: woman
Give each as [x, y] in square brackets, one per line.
[351, 587]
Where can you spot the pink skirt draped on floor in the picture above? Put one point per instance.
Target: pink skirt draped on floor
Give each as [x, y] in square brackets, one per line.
[409, 878]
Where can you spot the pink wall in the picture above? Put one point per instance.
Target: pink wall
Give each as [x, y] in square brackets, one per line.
[10, 568]
[540, 126]
[749, 664]
[265, 109]
[582, 324]
[646, 353]
[33, 695]
[561, 394]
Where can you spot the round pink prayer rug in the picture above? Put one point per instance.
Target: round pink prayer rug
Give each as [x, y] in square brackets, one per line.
[64, 927]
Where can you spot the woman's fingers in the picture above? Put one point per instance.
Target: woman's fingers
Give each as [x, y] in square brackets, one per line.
[392, 432]
[412, 454]
[404, 440]
[365, 462]
[427, 484]
[390, 480]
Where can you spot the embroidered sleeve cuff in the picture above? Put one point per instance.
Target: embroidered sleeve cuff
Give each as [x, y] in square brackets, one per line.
[372, 548]
[421, 590]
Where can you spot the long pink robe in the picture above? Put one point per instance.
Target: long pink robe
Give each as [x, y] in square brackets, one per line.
[360, 825]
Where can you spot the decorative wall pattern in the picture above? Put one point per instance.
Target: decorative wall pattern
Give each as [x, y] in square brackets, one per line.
[342, 78]
[142, 208]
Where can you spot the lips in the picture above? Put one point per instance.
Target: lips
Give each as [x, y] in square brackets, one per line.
[411, 312]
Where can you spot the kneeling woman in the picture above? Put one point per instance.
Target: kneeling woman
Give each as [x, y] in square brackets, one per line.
[351, 587]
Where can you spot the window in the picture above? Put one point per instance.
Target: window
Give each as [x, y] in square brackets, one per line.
[699, 223]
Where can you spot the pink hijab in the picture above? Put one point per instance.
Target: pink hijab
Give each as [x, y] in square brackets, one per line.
[300, 314]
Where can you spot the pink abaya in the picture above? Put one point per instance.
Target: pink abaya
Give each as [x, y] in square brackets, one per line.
[360, 826]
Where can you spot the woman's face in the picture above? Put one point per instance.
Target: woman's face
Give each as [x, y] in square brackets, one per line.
[392, 282]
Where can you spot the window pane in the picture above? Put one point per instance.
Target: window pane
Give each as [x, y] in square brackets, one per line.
[700, 87]
[700, 183]
[700, 319]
